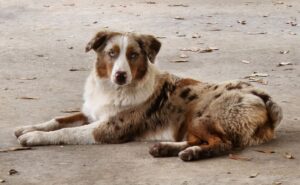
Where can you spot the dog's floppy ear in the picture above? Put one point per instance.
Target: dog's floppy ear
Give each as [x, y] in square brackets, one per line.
[150, 45]
[99, 40]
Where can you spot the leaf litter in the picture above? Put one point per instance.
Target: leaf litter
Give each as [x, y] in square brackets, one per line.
[179, 60]
[254, 175]
[257, 33]
[179, 18]
[284, 64]
[178, 5]
[266, 151]
[245, 61]
[284, 52]
[27, 98]
[78, 69]
[71, 110]
[238, 157]
[243, 22]
[12, 172]
[196, 35]
[200, 50]
[27, 78]
[256, 77]
[288, 155]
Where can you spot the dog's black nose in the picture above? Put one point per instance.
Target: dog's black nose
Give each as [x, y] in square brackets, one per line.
[121, 77]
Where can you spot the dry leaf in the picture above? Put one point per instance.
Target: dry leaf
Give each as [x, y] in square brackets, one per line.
[238, 157]
[256, 74]
[208, 50]
[254, 175]
[27, 98]
[245, 61]
[181, 35]
[288, 69]
[265, 151]
[243, 22]
[256, 33]
[292, 23]
[213, 48]
[27, 78]
[196, 35]
[40, 55]
[69, 4]
[176, 5]
[161, 37]
[70, 111]
[284, 64]
[278, 2]
[150, 2]
[284, 52]
[288, 155]
[215, 29]
[190, 49]
[183, 56]
[12, 172]
[14, 149]
[258, 80]
[179, 18]
[77, 69]
[179, 60]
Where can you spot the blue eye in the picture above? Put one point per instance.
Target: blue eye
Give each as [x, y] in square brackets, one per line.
[112, 53]
[133, 55]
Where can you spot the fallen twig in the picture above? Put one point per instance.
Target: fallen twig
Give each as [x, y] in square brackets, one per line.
[11, 149]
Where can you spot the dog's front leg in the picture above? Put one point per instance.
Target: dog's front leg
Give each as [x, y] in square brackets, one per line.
[72, 136]
[54, 124]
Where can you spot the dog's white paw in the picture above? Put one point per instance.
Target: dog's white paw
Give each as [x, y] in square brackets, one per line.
[23, 130]
[46, 126]
[32, 138]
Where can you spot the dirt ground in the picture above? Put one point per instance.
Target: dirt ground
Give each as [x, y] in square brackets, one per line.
[40, 41]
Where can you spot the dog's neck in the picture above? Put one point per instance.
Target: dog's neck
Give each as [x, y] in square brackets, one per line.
[123, 96]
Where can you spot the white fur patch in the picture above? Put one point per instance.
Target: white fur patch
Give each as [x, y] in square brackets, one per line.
[103, 99]
[46, 126]
[121, 64]
[164, 135]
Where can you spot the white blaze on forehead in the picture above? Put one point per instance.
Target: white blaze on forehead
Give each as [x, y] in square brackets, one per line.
[121, 63]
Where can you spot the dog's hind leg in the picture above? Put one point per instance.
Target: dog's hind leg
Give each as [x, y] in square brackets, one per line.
[54, 124]
[168, 149]
[206, 139]
[214, 147]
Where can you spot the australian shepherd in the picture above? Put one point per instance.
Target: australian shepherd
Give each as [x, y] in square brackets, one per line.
[127, 98]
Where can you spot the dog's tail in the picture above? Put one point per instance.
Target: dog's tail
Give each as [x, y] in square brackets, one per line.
[274, 110]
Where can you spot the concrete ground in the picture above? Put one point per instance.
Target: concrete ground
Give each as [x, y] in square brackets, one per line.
[40, 41]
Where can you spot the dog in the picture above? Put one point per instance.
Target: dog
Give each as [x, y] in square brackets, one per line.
[127, 98]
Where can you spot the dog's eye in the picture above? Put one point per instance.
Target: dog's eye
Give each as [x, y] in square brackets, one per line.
[112, 53]
[133, 55]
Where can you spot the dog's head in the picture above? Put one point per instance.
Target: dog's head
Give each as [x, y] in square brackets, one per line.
[123, 57]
